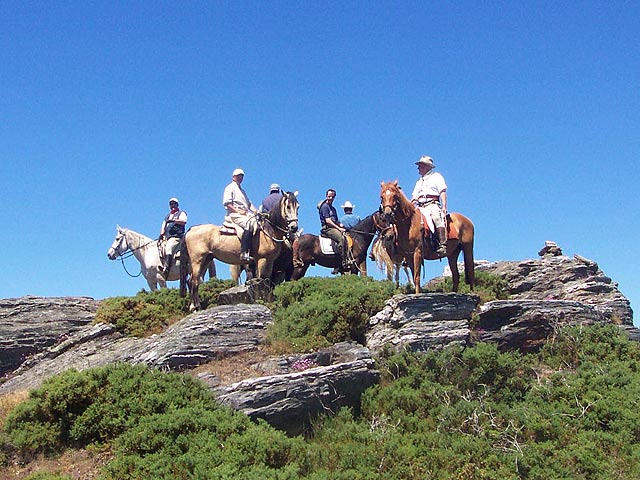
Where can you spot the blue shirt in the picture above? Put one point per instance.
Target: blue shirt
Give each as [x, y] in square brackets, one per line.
[327, 211]
[349, 220]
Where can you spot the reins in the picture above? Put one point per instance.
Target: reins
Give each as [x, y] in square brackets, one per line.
[128, 253]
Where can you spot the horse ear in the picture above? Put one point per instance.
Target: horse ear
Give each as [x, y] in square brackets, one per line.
[395, 182]
[119, 228]
[382, 183]
[295, 194]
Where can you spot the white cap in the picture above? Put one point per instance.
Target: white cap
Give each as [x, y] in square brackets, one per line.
[238, 171]
[174, 199]
[348, 204]
[274, 187]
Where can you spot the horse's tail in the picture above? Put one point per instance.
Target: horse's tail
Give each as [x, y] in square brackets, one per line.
[185, 263]
[382, 257]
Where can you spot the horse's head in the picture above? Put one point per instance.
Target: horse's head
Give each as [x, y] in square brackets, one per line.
[119, 245]
[390, 195]
[289, 212]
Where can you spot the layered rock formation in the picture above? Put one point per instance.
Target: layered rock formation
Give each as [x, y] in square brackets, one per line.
[40, 337]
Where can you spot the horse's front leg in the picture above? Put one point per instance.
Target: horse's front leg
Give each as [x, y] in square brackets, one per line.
[264, 268]
[362, 267]
[152, 279]
[416, 267]
[453, 266]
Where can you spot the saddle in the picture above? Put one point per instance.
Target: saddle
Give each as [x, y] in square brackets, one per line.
[330, 247]
[430, 239]
[230, 228]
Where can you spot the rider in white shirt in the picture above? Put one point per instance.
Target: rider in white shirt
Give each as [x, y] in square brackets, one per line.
[430, 196]
[241, 212]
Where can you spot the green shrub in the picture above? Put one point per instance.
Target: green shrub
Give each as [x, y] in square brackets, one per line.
[151, 312]
[315, 312]
[97, 405]
[488, 286]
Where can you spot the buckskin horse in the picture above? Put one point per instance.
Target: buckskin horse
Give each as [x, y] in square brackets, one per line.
[203, 243]
[309, 251]
[411, 242]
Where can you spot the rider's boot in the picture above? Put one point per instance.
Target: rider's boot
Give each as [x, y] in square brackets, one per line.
[442, 241]
[245, 246]
[167, 266]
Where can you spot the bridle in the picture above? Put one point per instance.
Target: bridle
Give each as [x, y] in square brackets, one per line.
[292, 221]
[128, 253]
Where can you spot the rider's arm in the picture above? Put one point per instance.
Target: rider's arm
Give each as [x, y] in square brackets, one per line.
[443, 201]
[333, 224]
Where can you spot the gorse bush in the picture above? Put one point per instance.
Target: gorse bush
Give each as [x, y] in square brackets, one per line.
[151, 312]
[488, 286]
[472, 413]
[478, 413]
[80, 408]
[315, 312]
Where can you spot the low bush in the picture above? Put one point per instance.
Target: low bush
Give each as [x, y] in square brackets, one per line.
[96, 405]
[151, 312]
[488, 286]
[315, 312]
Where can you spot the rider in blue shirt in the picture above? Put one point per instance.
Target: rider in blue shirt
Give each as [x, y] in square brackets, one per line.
[349, 219]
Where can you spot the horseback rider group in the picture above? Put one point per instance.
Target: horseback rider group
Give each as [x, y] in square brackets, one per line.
[429, 196]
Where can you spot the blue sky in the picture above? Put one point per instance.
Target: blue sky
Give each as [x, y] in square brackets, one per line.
[531, 111]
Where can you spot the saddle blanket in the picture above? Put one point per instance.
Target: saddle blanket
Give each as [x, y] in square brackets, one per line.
[326, 245]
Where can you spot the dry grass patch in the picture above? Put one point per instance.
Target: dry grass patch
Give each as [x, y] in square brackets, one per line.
[9, 401]
[77, 464]
[234, 368]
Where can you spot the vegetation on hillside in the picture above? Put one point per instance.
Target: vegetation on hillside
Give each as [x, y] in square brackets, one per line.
[151, 312]
[569, 411]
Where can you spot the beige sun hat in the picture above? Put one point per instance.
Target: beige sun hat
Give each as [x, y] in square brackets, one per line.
[348, 204]
[426, 160]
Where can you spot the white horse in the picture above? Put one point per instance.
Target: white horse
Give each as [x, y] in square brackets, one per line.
[146, 252]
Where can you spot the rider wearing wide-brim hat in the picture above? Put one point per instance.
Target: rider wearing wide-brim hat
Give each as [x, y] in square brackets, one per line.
[349, 219]
[171, 234]
[430, 196]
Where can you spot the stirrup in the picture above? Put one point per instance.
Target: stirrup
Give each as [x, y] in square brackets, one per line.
[442, 250]
[245, 257]
[297, 263]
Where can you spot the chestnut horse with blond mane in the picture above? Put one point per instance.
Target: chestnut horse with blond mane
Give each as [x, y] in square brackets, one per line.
[411, 240]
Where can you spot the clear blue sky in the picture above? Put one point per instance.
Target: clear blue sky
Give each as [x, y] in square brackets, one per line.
[531, 111]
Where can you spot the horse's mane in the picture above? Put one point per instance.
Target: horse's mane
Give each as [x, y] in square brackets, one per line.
[406, 207]
[275, 215]
[137, 239]
[363, 225]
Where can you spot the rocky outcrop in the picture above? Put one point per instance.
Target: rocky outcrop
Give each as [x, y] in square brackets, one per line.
[525, 325]
[41, 337]
[319, 383]
[194, 340]
[557, 277]
[419, 322]
[30, 324]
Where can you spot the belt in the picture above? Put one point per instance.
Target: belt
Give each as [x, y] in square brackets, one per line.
[428, 199]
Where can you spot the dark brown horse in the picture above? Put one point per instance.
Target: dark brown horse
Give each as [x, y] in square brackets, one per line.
[410, 236]
[309, 251]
